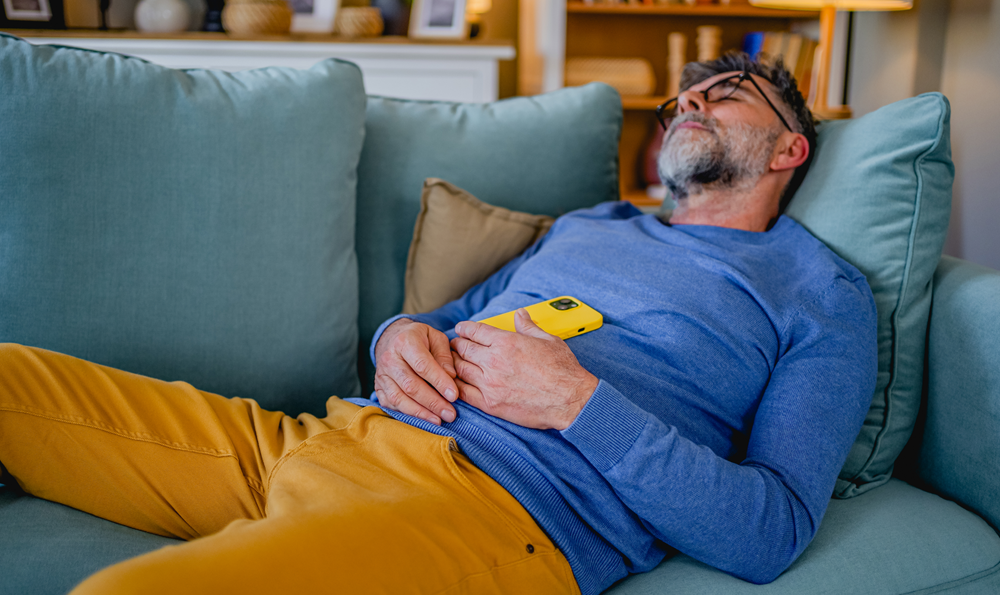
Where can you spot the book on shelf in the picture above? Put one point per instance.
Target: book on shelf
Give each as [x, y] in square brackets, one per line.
[796, 51]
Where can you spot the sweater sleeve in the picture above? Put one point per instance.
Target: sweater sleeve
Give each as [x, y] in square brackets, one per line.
[753, 518]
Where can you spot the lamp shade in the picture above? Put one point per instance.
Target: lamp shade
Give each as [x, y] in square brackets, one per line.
[478, 6]
[857, 5]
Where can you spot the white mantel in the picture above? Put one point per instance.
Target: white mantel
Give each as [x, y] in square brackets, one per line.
[436, 71]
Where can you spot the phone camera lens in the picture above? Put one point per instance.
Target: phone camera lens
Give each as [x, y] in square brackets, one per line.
[564, 304]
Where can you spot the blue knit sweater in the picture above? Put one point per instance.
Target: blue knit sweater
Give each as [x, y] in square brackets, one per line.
[735, 371]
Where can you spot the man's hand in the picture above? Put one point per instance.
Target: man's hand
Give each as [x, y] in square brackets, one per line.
[530, 377]
[413, 369]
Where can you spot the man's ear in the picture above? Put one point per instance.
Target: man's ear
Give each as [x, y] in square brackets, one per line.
[791, 151]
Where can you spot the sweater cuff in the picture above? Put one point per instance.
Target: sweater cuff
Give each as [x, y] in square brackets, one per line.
[607, 427]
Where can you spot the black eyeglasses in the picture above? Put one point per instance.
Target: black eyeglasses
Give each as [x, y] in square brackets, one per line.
[719, 91]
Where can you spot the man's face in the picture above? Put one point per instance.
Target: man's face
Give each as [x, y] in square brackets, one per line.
[727, 144]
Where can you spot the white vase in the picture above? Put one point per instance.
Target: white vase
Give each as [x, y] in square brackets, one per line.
[162, 16]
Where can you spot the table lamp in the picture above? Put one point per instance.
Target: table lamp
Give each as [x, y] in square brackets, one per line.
[827, 21]
[475, 9]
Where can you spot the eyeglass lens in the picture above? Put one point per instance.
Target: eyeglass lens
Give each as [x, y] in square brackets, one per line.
[717, 92]
[723, 89]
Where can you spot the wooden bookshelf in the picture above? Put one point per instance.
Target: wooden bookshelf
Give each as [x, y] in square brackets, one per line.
[638, 102]
[734, 10]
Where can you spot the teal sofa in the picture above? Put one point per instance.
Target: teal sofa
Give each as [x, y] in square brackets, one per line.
[248, 232]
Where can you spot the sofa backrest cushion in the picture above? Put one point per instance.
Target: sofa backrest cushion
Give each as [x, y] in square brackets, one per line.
[879, 195]
[547, 155]
[187, 225]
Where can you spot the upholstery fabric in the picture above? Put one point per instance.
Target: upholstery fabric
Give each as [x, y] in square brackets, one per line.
[187, 225]
[547, 155]
[48, 548]
[960, 450]
[879, 194]
[458, 241]
[870, 544]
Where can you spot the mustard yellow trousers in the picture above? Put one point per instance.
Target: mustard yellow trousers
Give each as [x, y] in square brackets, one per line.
[355, 502]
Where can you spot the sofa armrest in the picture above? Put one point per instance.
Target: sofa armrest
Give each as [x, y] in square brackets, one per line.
[960, 453]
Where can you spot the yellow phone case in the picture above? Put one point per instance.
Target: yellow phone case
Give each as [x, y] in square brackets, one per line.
[564, 317]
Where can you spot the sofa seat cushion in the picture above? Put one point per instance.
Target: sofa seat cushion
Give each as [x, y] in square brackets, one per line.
[47, 548]
[183, 224]
[896, 539]
[891, 540]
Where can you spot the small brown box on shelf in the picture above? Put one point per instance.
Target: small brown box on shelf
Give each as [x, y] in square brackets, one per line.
[358, 21]
[629, 76]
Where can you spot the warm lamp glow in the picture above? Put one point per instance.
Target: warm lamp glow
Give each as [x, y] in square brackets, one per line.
[856, 5]
[478, 6]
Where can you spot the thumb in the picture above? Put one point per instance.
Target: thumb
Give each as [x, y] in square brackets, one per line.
[526, 326]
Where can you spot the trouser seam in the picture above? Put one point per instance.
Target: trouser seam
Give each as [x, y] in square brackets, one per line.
[301, 445]
[101, 426]
[504, 517]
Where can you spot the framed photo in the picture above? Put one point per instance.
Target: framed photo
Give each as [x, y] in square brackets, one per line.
[313, 16]
[32, 14]
[442, 19]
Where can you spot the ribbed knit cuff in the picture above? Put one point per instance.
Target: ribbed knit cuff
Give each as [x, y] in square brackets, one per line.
[607, 427]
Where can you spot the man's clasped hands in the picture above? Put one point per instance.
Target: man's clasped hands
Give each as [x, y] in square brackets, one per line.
[527, 377]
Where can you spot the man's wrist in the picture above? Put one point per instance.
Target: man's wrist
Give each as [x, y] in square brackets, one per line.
[581, 394]
[389, 332]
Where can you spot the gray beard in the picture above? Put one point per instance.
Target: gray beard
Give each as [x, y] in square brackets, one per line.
[733, 157]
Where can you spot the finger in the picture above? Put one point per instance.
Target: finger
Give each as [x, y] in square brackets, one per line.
[411, 382]
[392, 397]
[526, 326]
[483, 334]
[468, 372]
[427, 366]
[441, 350]
[472, 395]
[470, 351]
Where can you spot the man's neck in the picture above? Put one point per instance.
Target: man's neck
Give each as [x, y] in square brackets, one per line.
[753, 209]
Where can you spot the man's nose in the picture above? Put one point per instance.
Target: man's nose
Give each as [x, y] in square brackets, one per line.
[689, 101]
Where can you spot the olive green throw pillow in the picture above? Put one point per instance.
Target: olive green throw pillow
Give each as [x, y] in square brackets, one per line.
[459, 241]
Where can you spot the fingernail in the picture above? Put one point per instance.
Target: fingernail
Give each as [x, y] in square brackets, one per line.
[448, 415]
[450, 394]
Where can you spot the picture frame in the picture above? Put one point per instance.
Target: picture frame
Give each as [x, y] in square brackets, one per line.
[438, 19]
[32, 14]
[313, 16]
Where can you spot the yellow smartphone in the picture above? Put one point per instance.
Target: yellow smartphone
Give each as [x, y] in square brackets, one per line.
[564, 317]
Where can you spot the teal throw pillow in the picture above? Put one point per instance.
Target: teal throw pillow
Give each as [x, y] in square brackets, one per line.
[879, 194]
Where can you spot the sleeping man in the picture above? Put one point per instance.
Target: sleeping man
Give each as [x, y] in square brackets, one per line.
[710, 414]
[713, 410]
